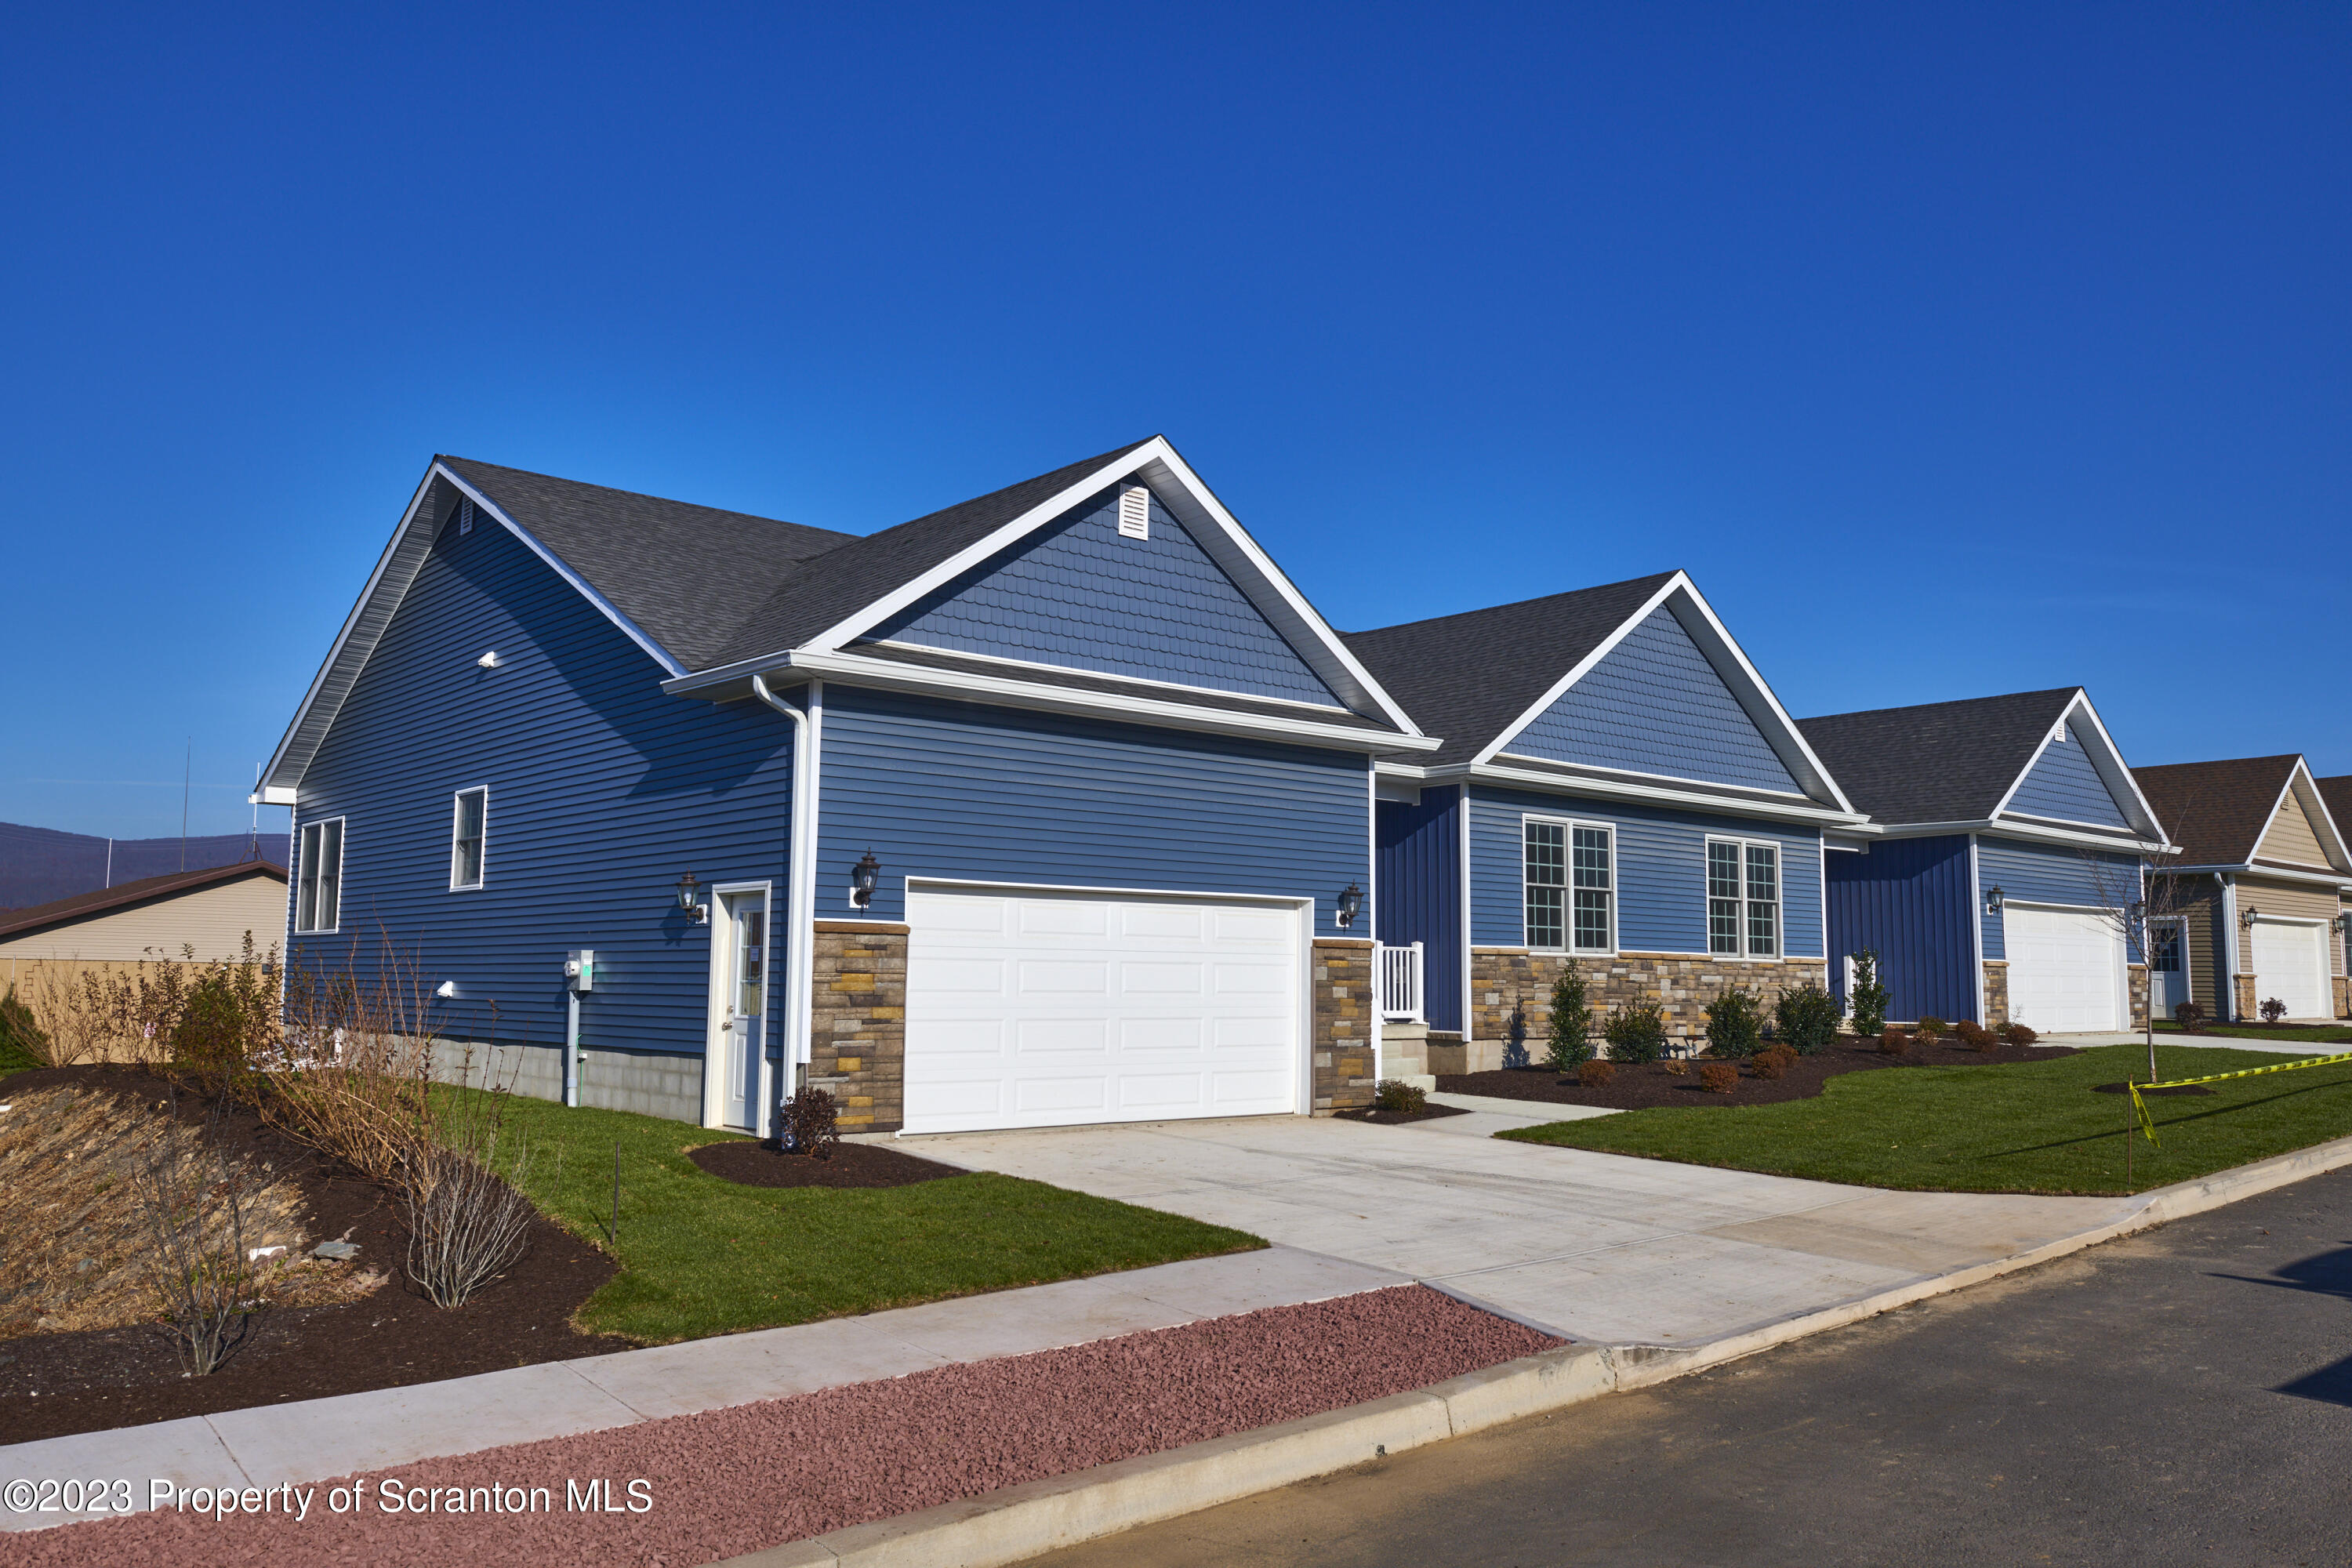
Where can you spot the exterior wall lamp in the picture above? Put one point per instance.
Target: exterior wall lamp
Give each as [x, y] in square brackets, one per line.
[2246, 916]
[2337, 925]
[862, 878]
[1351, 904]
[688, 898]
[1994, 899]
[2136, 910]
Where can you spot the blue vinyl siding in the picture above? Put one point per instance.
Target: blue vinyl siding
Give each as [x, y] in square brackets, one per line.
[1079, 594]
[1661, 871]
[1656, 705]
[1420, 893]
[602, 791]
[962, 790]
[1909, 898]
[2062, 783]
[2049, 874]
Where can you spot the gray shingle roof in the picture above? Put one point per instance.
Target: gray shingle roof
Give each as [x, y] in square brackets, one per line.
[1939, 761]
[860, 572]
[1466, 677]
[688, 575]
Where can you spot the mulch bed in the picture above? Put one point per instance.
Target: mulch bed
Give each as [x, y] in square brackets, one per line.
[54, 1384]
[754, 1164]
[1398, 1118]
[1646, 1086]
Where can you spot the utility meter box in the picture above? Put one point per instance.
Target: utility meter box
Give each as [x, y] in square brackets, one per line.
[579, 969]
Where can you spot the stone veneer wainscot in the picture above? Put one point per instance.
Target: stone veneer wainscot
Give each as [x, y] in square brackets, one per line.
[1506, 981]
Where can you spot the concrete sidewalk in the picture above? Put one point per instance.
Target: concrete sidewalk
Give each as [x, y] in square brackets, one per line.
[319, 1439]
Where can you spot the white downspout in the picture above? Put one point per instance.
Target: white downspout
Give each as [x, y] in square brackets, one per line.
[800, 880]
[2225, 989]
[1379, 1009]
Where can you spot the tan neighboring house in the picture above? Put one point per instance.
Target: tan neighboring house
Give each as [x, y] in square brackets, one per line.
[2258, 892]
[155, 917]
[2337, 792]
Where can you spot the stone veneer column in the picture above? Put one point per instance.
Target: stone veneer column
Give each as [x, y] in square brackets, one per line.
[1996, 994]
[1343, 1013]
[2248, 1004]
[2343, 997]
[857, 1022]
[2138, 988]
[1511, 989]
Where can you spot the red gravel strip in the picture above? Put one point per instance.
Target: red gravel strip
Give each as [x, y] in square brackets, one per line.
[730, 1481]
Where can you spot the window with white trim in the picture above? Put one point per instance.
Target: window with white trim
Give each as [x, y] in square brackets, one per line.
[469, 826]
[319, 879]
[1571, 884]
[1743, 897]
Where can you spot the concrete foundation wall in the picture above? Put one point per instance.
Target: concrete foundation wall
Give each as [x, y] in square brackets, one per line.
[647, 1082]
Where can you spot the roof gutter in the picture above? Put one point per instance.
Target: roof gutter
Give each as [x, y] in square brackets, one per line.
[2003, 828]
[2335, 880]
[1489, 773]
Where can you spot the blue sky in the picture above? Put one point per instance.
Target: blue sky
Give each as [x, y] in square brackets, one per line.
[1954, 350]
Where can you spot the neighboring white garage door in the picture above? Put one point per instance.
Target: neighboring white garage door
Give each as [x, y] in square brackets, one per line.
[2291, 963]
[1029, 1010]
[2065, 970]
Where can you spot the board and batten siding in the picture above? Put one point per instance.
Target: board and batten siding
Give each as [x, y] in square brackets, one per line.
[2064, 784]
[1420, 893]
[962, 791]
[1661, 871]
[213, 919]
[1654, 705]
[1908, 899]
[2049, 874]
[1081, 595]
[602, 791]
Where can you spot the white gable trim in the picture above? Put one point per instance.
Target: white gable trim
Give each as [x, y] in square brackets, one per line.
[387, 586]
[2300, 785]
[1748, 687]
[2107, 761]
[1227, 543]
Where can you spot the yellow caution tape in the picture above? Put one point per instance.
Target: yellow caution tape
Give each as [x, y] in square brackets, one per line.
[2148, 1122]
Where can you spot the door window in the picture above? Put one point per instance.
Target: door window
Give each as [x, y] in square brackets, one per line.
[751, 962]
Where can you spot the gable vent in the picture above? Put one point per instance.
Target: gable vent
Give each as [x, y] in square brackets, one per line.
[2058, 735]
[464, 516]
[1134, 512]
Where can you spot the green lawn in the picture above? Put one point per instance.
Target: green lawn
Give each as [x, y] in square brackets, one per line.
[2317, 1039]
[700, 1256]
[2031, 1127]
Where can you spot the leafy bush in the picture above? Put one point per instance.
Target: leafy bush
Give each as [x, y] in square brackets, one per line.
[1870, 998]
[1637, 1034]
[2019, 1034]
[212, 1039]
[1735, 1023]
[1570, 1040]
[2272, 1010]
[1778, 1051]
[1806, 1019]
[1718, 1077]
[1892, 1042]
[811, 1124]
[2191, 1017]
[1975, 1036]
[1768, 1064]
[22, 1043]
[1395, 1094]
[1594, 1074]
[1932, 1027]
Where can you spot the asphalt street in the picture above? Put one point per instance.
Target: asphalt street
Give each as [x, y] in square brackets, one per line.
[2184, 1396]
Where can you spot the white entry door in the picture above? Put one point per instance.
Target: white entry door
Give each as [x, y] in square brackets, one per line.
[2167, 966]
[1046, 1010]
[744, 1011]
[2291, 963]
[2065, 970]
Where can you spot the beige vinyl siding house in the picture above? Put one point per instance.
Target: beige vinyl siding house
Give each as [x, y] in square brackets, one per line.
[209, 910]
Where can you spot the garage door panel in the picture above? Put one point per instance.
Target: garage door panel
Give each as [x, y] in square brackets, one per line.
[2065, 969]
[2291, 962]
[1060, 1011]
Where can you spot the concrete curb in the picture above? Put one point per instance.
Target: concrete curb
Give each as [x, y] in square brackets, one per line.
[1016, 1523]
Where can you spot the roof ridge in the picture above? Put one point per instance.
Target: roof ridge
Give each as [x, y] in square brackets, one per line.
[1947, 702]
[639, 495]
[98, 899]
[1516, 604]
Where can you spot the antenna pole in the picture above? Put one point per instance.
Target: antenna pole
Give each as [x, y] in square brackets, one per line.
[188, 772]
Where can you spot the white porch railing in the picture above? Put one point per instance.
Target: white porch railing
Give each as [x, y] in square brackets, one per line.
[1400, 984]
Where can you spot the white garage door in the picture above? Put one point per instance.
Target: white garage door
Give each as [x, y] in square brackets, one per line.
[1045, 1011]
[2065, 970]
[2291, 963]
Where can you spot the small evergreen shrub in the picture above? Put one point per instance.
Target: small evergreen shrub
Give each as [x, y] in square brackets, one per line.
[1807, 1018]
[1571, 1039]
[1718, 1077]
[2019, 1034]
[1735, 1023]
[1395, 1094]
[1637, 1034]
[2191, 1017]
[22, 1043]
[1870, 998]
[1594, 1074]
[2272, 1010]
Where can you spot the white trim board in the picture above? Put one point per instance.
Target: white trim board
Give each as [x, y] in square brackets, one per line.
[2108, 763]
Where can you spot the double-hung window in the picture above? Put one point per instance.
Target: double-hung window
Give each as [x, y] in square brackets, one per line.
[468, 823]
[1743, 897]
[1569, 875]
[318, 877]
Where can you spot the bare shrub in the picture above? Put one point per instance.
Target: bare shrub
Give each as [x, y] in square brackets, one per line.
[1595, 1074]
[2271, 1010]
[200, 1206]
[811, 1124]
[467, 1224]
[2191, 1017]
[135, 1011]
[352, 1072]
[1718, 1077]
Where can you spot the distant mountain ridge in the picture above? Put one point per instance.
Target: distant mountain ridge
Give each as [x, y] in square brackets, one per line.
[40, 865]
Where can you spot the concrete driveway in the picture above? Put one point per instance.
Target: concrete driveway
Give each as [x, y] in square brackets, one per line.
[1602, 1248]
